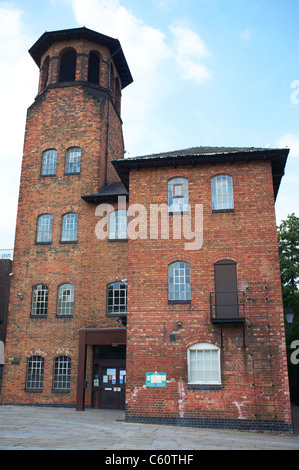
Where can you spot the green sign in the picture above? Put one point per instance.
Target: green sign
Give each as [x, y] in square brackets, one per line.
[156, 379]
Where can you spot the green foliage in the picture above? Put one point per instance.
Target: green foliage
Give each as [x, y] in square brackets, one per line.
[288, 243]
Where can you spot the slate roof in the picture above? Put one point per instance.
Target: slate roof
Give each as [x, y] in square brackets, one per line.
[206, 155]
[110, 192]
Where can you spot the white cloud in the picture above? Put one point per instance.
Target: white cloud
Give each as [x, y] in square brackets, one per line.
[18, 87]
[190, 51]
[246, 34]
[146, 52]
[150, 58]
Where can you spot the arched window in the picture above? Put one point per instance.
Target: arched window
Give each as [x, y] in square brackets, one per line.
[62, 374]
[222, 192]
[49, 163]
[35, 373]
[203, 361]
[69, 227]
[68, 66]
[117, 298]
[45, 73]
[179, 286]
[94, 68]
[65, 302]
[118, 225]
[39, 304]
[178, 195]
[44, 228]
[73, 161]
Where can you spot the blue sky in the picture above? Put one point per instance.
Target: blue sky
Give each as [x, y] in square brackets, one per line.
[206, 72]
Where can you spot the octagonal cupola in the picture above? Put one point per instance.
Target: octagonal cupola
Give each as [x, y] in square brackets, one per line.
[83, 56]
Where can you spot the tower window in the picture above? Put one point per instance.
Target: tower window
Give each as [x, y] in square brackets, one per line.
[35, 373]
[94, 69]
[69, 227]
[118, 225]
[39, 306]
[49, 163]
[62, 374]
[117, 298]
[44, 228]
[73, 161]
[65, 304]
[68, 66]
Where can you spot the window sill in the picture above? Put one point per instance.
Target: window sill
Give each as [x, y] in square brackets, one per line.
[117, 239]
[171, 302]
[47, 176]
[116, 315]
[68, 242]
[204, 387]
[43, 243]
[32, 390]
[38, 316]
[219, 211]
[60, 391]
[70, 174]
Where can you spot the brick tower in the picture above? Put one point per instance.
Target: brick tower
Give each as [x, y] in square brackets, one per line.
[73, 130]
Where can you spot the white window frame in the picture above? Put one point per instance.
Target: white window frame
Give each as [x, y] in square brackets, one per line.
[118, 225]
[222, 192]
[35, 373]
[178, 202]
[179, 282]
[73, 161]
[49, 163]
[69, 227]
[65, 302]
[204, 350]
[62, 374]
[39, 300]
[117, 298]
[44, 228]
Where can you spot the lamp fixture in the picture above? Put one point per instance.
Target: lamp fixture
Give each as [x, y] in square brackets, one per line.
[289, 316]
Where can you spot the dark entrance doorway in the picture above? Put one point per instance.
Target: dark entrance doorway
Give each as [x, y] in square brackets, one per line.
[226, 289]
[109, 377]
[109, 344]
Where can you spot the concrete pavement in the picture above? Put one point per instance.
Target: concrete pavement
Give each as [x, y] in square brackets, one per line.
[44, 428]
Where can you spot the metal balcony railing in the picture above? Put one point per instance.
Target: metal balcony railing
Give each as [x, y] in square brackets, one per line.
[227, 307]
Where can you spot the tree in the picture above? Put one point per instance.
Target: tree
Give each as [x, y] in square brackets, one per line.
[288, 243]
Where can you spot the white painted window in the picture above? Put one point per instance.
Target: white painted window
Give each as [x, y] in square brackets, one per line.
[222, 192]
[204, 364]
[178, 195]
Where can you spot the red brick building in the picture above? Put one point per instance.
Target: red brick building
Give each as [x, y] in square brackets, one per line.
[148, 283]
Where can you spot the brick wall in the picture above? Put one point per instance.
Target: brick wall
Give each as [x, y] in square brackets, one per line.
[254, 389]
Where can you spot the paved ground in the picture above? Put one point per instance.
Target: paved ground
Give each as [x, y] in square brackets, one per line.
[42, 428]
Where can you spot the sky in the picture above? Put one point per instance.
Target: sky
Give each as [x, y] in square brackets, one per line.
[206, 72]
